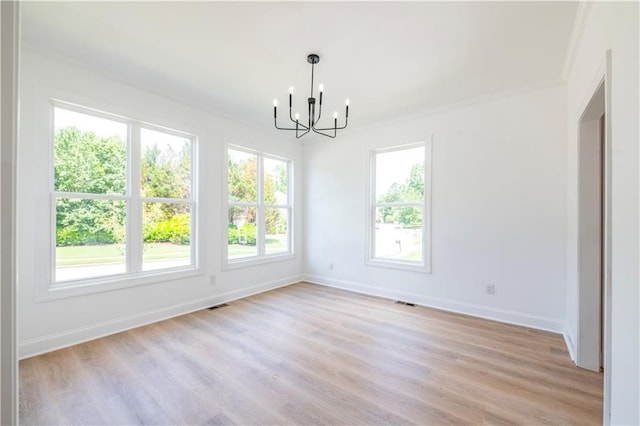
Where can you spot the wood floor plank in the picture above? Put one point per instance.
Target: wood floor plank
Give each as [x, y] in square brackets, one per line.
[308, 354]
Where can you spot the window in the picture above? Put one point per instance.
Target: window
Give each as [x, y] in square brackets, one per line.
[122, 197]
[259, 206]
[399, 215]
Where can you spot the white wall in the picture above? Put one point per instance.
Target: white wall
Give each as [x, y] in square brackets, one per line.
[47, 325]
[611, 25]
[499, 209]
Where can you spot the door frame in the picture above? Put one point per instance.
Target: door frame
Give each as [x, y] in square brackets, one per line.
[588, 341]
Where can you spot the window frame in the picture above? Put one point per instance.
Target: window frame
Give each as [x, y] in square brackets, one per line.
[261, 257]
[423, 266]
[134, 274]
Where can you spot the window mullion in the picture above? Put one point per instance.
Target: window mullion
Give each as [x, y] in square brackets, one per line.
[260, 222]
[53, 235]
[243, 204]
[89, 196]
[400, 204]
[164, 200]
[289, 207]
[134, 206]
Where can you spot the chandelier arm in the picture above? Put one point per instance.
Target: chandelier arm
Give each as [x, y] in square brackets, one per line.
[292, 129]
[324, 134]
[297, 123]
[275, 122]
[290, 118]
[319, 109]
[291, 109]
[298, 136]
[346, 122]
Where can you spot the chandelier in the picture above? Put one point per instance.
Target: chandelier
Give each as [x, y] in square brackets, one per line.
[301, 128]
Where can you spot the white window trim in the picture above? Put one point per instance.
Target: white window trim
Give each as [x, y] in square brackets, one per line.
[261, 258]
[134, 275]
[425, 265]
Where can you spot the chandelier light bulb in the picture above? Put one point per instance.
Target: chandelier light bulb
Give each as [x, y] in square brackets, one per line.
[335, 114]
[275, 102]
[321, 88]
[291, 90]
[297, 116]
[346, 102]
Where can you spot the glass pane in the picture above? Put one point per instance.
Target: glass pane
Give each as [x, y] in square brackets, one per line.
[400, 176]
[90, 154]
[166, 165]
[398, 233]
[166, 234]
[242, 233]
[90, 238]
[276, 229]
[276, 182]
[243, 177]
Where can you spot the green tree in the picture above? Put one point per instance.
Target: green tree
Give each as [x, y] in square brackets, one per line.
[86, 163]
[243, 187]
[166, 174]
[242, 177]
[410, 190]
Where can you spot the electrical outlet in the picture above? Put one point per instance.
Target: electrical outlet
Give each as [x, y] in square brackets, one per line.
[212, 280]
[490, 289]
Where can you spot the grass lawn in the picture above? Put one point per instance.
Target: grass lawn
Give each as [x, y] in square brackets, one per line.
[272, 246]
[114, 253]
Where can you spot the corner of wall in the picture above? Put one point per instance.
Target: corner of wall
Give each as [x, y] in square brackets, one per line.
[569, 340]
[523, 319]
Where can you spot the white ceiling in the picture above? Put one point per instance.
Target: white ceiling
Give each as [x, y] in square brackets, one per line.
[388, 58]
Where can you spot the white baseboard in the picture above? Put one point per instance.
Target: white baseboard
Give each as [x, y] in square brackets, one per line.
[569, 341]
[51, 342]
[511, 317]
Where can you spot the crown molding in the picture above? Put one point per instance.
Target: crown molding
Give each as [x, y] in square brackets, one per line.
[460, 104]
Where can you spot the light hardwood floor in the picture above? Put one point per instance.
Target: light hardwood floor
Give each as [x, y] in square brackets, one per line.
[307, 354]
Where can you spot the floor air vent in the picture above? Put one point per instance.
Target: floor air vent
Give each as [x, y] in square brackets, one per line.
[218, 306]
[400, 302]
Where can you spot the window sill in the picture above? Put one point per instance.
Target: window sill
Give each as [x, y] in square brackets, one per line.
[231, 264]
[395, 264]
[116, 282]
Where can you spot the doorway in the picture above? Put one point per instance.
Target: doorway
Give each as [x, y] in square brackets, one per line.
[592, 232]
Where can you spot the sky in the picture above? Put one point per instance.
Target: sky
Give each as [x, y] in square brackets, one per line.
[394, 167]
[105, 128]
